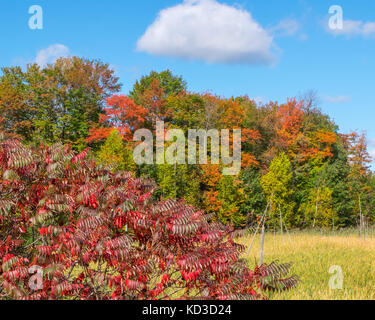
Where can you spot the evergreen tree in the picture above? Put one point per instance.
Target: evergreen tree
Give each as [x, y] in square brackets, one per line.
[254, 199]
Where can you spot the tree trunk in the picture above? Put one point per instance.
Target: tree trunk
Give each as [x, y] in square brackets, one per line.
[316, 207]
[360, 216]
[261, 245]
[281, 222]
[256, 231]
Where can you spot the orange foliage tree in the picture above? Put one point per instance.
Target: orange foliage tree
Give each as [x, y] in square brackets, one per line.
[121, 113]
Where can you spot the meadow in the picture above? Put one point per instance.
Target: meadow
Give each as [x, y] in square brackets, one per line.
[312, 255]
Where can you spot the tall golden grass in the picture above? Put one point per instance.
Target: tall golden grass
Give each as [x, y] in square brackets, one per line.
[312, 255]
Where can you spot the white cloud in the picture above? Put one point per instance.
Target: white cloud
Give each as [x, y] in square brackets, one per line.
[285, 28]
[260, 100]
[209, 31]
[338, 99]
[355, 28]
[51, 54]
[371, 144]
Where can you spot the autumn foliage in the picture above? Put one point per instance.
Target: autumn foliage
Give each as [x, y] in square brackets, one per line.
[75, 101]
[121, 113]
[99, 235]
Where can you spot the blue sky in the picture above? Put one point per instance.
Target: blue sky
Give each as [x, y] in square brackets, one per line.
[273, 50]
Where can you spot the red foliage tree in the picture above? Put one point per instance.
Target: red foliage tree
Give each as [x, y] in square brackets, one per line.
[121, 113]
[153, 99]
[290, 116]
[99, 235]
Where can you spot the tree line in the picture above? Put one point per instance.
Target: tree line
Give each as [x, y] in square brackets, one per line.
[293, 156]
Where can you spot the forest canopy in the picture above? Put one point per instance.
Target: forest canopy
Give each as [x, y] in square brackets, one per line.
[293, 155]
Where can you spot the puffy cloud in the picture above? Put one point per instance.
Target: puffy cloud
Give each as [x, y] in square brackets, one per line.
[209, 31]
[338, 99]
[354, 28]
[51, 54]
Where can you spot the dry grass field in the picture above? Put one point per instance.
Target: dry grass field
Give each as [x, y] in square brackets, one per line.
[312, 255]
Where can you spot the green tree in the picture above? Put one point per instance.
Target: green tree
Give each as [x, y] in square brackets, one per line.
[276, 184]
[170, 83]
[254, 198]
[335, 175]
[318, 209]
[231, 199]
[59, 102]
[115, 154]
[188, 110]
[178, 181]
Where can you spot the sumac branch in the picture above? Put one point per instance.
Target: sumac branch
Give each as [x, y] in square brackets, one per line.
[99, 235]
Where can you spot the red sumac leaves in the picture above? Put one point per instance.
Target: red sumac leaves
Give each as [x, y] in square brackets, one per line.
[99, 235]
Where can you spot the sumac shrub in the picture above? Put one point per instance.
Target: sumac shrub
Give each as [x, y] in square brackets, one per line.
[98, 235]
